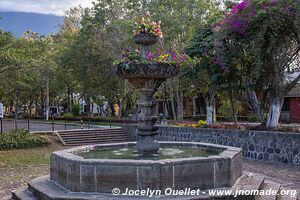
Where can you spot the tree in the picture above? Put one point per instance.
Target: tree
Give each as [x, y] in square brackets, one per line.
[20, 67]
[65, 74]
[15, 53]
[265, 34]
[180, 19]
[102, 35]
[206, 74]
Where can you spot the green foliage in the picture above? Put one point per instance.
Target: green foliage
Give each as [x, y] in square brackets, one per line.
[226, 108]
[259, 43]
[181, 18]
[78, 59]
[21, 139]
[76, 110]
[67, 115]
[263, 40]
[201, 46]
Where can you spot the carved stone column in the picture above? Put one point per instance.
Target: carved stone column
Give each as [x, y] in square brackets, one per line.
[146, 128]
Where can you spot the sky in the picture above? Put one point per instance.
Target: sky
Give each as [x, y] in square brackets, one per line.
[54, 7]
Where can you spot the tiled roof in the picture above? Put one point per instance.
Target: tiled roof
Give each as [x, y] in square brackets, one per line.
[295, 92]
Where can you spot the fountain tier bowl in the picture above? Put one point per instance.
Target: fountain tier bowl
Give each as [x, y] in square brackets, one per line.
[78, 174]
[147, 70]
[145, 39]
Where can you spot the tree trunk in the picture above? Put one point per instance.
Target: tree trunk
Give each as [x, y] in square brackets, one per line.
[178, 104]
[210, 105]
[209, 115]
[181, 104]
[233, 107]
[92, 108]
[112, 108]
[68, 101]
[36, 108]
[263, 106]
[215, 113]
[121, 103]
[274, 111]
[72, 100]
[252, 98]
[88, 106]
[173, 109]
[16, 117]
[47, 97]
[166, 111]
[202, 104]
[42, 98]
[165, 102]
[257, 106]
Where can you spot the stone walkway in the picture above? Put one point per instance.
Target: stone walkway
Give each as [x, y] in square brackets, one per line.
[287, 175]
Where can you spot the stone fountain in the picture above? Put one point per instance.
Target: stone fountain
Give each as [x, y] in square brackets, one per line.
[74, 175]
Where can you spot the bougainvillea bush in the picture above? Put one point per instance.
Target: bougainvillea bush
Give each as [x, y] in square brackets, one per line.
[258, 29]
[261, 39]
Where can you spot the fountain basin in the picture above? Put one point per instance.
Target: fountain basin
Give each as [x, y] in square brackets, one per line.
[78, 174]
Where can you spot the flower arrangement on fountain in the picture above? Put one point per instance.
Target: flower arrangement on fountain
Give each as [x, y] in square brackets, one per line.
[161, 62]
[146, 26]
[159, 56]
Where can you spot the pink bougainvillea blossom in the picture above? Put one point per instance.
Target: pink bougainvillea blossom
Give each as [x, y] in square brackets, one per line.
[240, 6]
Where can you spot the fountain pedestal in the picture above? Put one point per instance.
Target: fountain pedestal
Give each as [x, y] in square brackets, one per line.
[147, 78]
[146, 128]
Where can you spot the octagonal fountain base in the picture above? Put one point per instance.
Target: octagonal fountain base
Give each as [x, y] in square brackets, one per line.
[74, 175]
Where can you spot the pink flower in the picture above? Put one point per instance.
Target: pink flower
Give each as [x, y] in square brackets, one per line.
[149, 56]
[241, 6]
[174, 56]
[265, 7]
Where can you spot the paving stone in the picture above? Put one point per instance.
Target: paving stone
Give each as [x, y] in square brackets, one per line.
[269, 186]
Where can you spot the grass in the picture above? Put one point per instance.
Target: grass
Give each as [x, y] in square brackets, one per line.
[17, 158]
[17, 167]
[27, 157]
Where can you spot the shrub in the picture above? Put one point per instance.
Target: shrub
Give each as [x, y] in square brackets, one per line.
[67, 115]
[21, 139]
[202, 123]
[226, 110]
[76, 110]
